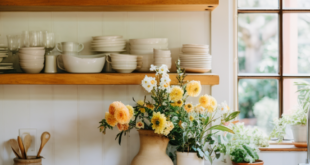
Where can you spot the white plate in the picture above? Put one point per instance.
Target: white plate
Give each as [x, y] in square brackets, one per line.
[195, 46]
[148, 41]
[110, 50]
[3, 46]
[115, 41]
[194, 51]
[106, 37]
[6, 64]
[109, 47]
[31, 48]
[6, 67]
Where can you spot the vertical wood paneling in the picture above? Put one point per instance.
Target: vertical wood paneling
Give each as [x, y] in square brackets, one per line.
[16, 105]
[42, 119]
[71, 113]
[66, 124]
[90, 109]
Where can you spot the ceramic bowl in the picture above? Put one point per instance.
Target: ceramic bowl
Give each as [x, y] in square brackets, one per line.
[30, 57]
[32, 70]
[31, 48]
[106, 37]
[147, 47]
[109, 49]
[195, 46]
[74, 64]
[162, 55]
[31, 61]
[127, 66]
[124, 63]
[33, 52]
[124, 70]
[142, 52]
[116, 41]
[108, 45]
[147, 41]
[194, 50]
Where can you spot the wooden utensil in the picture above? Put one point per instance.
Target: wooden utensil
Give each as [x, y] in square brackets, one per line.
[21, 147]
[15, 148]
[27, 143]
[44, 139]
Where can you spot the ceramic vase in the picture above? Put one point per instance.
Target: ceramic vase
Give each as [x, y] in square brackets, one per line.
[299, 133]
[186, 158]
[152, 149]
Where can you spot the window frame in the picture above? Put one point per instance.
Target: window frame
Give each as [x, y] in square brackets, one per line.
[280, 76]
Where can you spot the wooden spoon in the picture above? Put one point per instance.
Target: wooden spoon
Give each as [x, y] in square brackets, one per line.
[21, 146]
[15, 148]
[44, 139]
[27, 143]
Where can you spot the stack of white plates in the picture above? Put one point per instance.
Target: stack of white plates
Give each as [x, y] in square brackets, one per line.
[31, 59]
[108, 44]
[144, 47]
[162, 56]
[125, 63]
[3, 52]
[196, 58]
[6, 66]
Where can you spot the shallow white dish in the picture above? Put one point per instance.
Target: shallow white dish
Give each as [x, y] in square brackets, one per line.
[147, 47]
[108, 50]
[32, 52]
[124, 63]
[106, 37]
[114, 41]
[74, 64]
[144, 41]
[194, 50]
[108, 44]
[195, 46]
[109, 47]
[6, 67]
[128, 66]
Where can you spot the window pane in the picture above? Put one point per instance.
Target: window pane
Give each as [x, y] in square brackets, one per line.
[296, 4]
[258, 43]
[296, 49]
[290, 97]
[258, 4]
[258, 102]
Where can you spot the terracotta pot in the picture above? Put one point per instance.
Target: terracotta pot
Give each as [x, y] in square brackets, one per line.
[152, 149]
[31, 161]
[186, 158]
[258, 162]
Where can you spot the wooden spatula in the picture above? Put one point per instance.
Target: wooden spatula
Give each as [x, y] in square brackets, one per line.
[21, 147]
[44, 139]
[15, 148]
[27, 143]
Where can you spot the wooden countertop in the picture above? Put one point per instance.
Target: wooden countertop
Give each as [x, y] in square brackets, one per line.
[282, 147]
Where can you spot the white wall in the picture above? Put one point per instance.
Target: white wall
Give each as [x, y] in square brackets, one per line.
[71, 113]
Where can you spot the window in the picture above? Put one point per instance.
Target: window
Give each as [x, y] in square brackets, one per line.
[273, 54]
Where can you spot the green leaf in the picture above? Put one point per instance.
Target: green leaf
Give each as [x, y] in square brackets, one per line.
[232, 116]
[221, 128]
[206, 121]
[200, 153]
[120, 138]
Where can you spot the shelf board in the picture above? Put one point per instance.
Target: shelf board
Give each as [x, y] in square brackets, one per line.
[108, 5]
[96, 79]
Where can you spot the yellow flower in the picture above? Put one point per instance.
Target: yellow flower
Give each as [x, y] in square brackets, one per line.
[191, 118]
[158, 122]
[169, 125]
[115, 105]
[176, 93]
[189, 107]
[180, 124]
[213, 102]
[139, 125]
[142, 110]
[140, 102]
[199, 109]
[210, 109]
[131, 110]
[110, 119]
[179, 103]
[122, 115]
[150, 106]
[122, 127]
[193, 88]
[204, 100]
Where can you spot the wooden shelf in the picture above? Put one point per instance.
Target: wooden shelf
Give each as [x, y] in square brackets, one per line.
[108, 5]
[96, 79]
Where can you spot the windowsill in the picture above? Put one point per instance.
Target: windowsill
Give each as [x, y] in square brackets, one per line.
[283, 146]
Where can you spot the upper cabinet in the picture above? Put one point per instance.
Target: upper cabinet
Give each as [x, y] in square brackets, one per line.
[108, 5]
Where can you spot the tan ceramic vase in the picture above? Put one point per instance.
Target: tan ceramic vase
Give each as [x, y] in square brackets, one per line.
[258, 162]
[31, 161]
[152, 149]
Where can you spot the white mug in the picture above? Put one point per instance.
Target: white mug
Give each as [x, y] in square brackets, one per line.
[69, 47]
[50, 64]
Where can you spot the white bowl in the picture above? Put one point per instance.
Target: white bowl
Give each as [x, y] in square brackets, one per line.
[74, 64]
[142, 52]
[124, 55]
[31, 60]
[194, 50]
[124, 70]
[124, 63]
[124, 66]
[115, 41]
[195, 46]
[31, 48]
[162, 55]
[33, 52]
[106, 37]
[162, 51]
[108, 49]
[108, 45]
[147, 47]
[32, 70]
[149, 41]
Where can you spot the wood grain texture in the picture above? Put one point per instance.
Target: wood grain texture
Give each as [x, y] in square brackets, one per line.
[108, 5]
[96, 79]
[283, 149]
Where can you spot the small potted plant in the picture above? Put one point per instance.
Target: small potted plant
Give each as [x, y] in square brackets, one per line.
[245, 155]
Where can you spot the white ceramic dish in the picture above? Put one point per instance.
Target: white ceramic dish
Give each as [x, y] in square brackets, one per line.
[162, 55]
[109, 47]
[142, 52]
[108, 50]
[108, 44]
[124, 66]
[194, 50]
[124, 63]
[147, 47]
[32, 70]
[32, 64]
[32, 61]
[33, 52]
[162, 51]
[74, 64]
[26, 57]
[124, 55]
[195, 46]
[106, 37]
[144, 41]
[6, 67]
[114, 41]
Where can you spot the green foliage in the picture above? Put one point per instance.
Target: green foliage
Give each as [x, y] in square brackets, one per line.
[244, 154]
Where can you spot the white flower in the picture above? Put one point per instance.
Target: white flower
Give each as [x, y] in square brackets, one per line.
[149, 87]
[164, 86]
[145, 81]
[153, 68]
[163, 69]
[165, 79]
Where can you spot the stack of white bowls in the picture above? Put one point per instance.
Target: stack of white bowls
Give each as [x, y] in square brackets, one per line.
[144, 47]
[31, 59]
[196, 58]
[108, 44]
[125, 63]
[162, 56]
